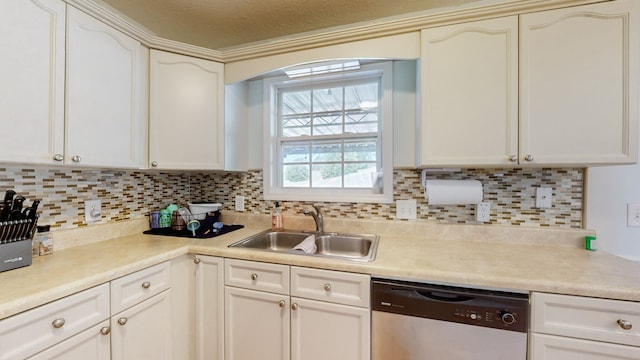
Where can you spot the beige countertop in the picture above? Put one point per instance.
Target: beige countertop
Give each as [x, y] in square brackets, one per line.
[491, 257]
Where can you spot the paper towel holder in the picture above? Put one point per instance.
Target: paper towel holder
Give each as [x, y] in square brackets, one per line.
[436, 170]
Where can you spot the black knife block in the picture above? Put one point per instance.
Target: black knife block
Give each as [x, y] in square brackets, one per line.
[15, 243]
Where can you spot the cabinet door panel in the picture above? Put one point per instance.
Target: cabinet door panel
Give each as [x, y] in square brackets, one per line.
[256, 325]
[578, 84]
[469, 93]
[146, 333]
[186, 111]
[322, 331]
[210, 308]
[32, 38]
[105, 122]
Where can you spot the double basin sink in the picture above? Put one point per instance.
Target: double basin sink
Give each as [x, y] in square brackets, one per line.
[358, 247]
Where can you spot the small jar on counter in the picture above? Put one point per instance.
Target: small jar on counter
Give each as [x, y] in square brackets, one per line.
[44, 240]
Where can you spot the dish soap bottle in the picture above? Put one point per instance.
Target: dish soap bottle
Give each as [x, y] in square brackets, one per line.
[276, 218]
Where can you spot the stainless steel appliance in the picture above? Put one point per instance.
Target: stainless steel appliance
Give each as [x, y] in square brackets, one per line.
[415, 321]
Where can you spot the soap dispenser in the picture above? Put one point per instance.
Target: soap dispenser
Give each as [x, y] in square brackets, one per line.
[276, 218]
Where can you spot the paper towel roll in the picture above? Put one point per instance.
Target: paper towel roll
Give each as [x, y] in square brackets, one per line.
[453, 192]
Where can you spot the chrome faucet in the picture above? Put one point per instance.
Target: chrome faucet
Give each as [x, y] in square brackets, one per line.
[317, 217]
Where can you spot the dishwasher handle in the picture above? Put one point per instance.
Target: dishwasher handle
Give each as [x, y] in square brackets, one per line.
[446, 297]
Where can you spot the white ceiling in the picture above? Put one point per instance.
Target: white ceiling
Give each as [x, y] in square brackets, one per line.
[219, 24]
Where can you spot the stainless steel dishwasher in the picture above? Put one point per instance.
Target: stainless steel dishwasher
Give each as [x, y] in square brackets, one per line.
[415, 321]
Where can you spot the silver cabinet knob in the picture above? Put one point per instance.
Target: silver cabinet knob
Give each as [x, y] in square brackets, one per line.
[105, 330]
[294, 306]
[76, 158]
[58, 157]
[282, 303]
[625, 324]
[146, 285]
[122, 321]
[529, 158]
[513, 158]
[254, 276]
[327, 287]
[58, 323]
[154, 164]
[197, 260]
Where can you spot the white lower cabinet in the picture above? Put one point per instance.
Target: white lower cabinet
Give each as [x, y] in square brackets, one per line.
[579, 328]
[144, 330]
[141, 327]
[322, 330]
[209, 307]
[279, 312]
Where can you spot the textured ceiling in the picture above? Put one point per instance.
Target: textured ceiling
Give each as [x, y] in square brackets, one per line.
[217, 24]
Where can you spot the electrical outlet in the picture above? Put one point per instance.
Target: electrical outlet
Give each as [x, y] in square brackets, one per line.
[633, 215]
[543, 197]
[406, 209]
[92, 210]
[239, 203]
[483, 211]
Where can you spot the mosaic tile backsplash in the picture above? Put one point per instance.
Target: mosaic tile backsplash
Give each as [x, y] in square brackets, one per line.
[132, 194]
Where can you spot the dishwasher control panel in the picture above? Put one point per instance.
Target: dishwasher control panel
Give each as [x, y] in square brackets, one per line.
[494, 309]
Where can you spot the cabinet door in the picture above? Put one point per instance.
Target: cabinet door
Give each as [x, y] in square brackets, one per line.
[209, 307]
[32, 86]
[144, 330]
[91, 344]
[469, 93]
[186, 110]
[256, 325]
[323, 331]
[579, 84]
[548, 347]
[106, 116]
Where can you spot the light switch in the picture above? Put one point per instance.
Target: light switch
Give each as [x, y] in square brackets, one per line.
[406, 209]
[633, 215]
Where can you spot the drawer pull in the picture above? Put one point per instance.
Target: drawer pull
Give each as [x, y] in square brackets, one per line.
[625, 324]
[58, 323]
[254, 276]
[294, 306]
[327, 287]
[105, 330]
[282, 303]
[196, 261]
[122, 321]
[146, 285]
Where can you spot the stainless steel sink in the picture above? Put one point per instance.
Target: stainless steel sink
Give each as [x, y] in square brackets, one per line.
[359, 247]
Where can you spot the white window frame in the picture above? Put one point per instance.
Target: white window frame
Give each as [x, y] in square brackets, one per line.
[271, 161]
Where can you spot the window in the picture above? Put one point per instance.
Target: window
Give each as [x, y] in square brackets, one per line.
[329, 137]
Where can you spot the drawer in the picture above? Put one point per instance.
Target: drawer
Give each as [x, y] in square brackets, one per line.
[333, 286]
[549, 347]
[34, 330]
[257, 276]
[586, 318]
[139, 286]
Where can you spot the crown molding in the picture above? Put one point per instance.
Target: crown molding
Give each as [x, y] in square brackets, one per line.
[396, 26]
[114, 18]
[335, 36]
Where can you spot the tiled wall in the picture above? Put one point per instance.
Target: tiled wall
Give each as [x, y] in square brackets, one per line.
[132, 194]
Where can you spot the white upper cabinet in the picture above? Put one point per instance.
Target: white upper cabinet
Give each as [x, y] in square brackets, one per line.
[559, 90]
[186, 109]
[32, 37]
[579, 84]
[469, 93]
[106, 95]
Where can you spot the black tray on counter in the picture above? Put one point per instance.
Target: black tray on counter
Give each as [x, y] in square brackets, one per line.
[200, 233]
